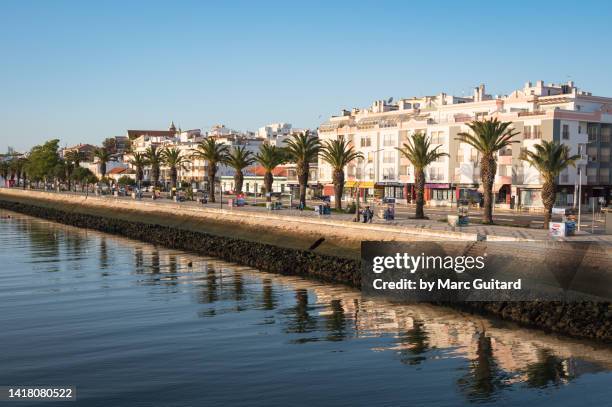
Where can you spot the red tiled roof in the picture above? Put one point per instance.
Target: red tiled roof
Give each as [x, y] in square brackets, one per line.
[260, 171]
[121, 170]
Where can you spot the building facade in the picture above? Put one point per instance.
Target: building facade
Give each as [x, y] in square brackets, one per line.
[538, 112]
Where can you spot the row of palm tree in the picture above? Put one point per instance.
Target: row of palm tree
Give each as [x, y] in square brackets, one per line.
[486, 136]
[489, 137]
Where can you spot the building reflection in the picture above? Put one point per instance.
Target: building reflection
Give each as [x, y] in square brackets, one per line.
[494, 356]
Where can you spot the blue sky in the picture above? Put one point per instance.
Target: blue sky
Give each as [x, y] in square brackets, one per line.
[83, 71]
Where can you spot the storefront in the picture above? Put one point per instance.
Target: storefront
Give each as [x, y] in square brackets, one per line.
[530, 198]
[390, 190]
[439, 195]
[467, 193]
[366, 189]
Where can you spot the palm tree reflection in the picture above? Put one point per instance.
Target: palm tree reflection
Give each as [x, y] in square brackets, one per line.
[548, 369]
[269, 297]
[484, 379]
[336, 322]
[414, 343]
[301, 321]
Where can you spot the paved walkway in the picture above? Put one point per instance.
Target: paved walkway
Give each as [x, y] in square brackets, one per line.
[437, 223]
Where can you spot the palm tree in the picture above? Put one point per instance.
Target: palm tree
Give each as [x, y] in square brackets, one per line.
[238, 159]
[5, 168]
[155, 160]
[302, 149]
[73, 159]
[488, 137]
[139, 162]
[74, 156]
[174, 159]
[338, 153]
[549, 158]
[420, 153]
[103, 157]
[269, 157]
[215, 153]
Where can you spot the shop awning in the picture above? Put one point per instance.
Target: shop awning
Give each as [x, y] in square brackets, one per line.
[362, 184]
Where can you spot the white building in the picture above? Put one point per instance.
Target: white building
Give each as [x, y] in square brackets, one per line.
[559, 112]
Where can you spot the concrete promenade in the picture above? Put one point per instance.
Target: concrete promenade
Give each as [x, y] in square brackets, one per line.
[336, 225]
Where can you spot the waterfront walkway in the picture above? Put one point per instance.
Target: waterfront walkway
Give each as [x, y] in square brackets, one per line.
[434, 227]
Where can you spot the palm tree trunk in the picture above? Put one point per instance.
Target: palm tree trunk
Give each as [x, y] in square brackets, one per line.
[212, 172]
[173, 176]
[487, 176]
[238, 181]
[548, 200]
[419, 185]
[103, 169]
[338, 187]
[155, 175]
[302, 173]
[268, 181]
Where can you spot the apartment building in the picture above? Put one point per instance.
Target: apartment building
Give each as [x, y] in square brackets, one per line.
[196, 170]
[539, 111]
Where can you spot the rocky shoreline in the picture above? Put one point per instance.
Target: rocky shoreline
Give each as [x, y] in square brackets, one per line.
[582, 320]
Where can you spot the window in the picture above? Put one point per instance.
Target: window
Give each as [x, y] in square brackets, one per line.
[565, 177]
[388, 157]
[388, 140]
[474, 155]
[436, 174]
[527, 132]
[437, 137]
[505, 170]
[565, 132]
[404, 170]
[592, 153]
[370, 173]
[604, 175]
[537, 132]
[460, 155]
[441, 194]
[388, 173]
[605, 133]
[366, 141]
[592, 131]
[604, 154]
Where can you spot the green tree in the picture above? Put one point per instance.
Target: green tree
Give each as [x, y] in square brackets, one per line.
[139, 162]
[549, 158]
[269, 157]
[42, 161]
[488, 137]
[175, 160]
[126, 181]
[155, 160]
[110, 145]
[214, 153]
[303, 149]
[338, 153]
[103, 156]
[421, 154]
[238, 159]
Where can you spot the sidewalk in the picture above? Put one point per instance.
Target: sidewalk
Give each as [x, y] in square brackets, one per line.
[434, 228]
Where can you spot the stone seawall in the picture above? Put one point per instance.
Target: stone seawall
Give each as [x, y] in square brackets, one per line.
[239, 244]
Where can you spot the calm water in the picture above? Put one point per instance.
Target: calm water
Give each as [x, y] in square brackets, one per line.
[132, 324]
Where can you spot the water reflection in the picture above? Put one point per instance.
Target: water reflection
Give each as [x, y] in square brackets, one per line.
[484, 378]
[492, 357]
